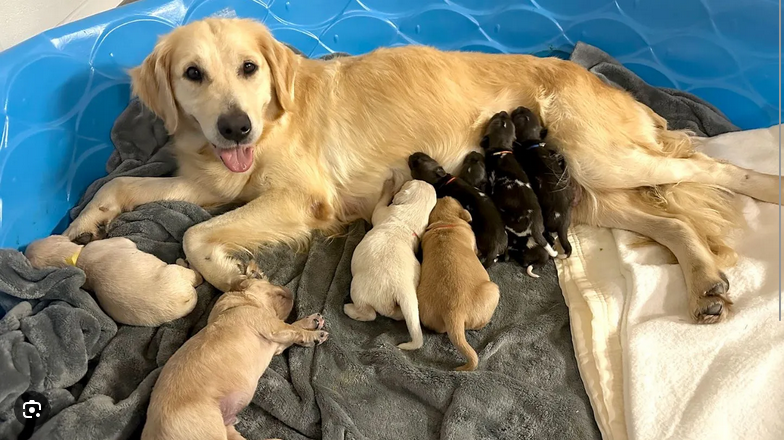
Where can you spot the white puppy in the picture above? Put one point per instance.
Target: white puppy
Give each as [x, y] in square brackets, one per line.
[384, 266]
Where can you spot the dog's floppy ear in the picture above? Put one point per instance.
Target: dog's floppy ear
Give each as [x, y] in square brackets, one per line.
[151, 82]
[283, 64]
[465, 215]
[485, 142]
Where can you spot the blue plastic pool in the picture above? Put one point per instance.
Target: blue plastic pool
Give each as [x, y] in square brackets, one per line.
[61, 90]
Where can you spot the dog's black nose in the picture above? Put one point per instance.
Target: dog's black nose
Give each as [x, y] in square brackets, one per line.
[234, 125]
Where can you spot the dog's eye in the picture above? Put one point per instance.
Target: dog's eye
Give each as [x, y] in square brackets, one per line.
[249, 69]
[193, 74]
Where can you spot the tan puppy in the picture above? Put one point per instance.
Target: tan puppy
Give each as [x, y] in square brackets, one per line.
[133, 287]
[214, 374]
[455, 293]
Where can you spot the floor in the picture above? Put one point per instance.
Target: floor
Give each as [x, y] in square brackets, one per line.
[22, 19]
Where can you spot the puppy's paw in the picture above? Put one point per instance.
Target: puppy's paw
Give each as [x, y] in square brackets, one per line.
[321, 337]
[81, 233]
[312, 322]
[410, 345]
[183, 263]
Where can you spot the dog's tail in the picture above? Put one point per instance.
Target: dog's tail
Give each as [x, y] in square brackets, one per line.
[455, 329]
[407, 300]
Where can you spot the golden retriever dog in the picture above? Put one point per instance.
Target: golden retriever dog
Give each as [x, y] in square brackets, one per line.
[455, 293]
[214, 374]
[308, 144]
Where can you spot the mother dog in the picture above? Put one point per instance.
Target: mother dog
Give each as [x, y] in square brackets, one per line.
[307, 144]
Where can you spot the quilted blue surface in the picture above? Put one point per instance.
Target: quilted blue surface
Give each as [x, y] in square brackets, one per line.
[61, 90]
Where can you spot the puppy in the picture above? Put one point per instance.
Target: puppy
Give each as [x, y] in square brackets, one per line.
[487, 224]
[455, 293]
[473, 171]
[384, 266]
[214, 374]
[547, 171]
[133, 287]
[511, 192]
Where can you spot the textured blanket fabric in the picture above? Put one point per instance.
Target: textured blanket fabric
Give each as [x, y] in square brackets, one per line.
[358, 385]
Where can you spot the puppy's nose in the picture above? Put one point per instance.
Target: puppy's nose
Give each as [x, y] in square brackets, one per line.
[234, 125]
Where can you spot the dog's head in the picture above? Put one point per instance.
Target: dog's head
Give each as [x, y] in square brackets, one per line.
[257, 293]
[222, 77]
[449, 210]
[500, 133]
[527, 125]
[415, 190]
[424, 167]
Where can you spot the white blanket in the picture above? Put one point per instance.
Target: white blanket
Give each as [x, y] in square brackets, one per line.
[650, 372]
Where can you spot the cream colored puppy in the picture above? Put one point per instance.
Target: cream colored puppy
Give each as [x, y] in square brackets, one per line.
[133, 287]
[214, 374]
[384, 266]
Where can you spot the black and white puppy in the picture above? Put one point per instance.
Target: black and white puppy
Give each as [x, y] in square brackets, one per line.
[473, 171]
[491, 240]
[513, 195]
[547, 171]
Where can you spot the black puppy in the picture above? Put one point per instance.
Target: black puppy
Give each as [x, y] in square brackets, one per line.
[546, 169]
[473, 171]
[491, 240]
[511, 191]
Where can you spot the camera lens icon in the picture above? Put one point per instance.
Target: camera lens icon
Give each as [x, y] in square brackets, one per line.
[31, 409]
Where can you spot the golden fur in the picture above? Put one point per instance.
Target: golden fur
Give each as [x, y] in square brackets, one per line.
[326, 134]
[215, 373]
[455, 293]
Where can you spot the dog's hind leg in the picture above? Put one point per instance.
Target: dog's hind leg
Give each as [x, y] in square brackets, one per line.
[359, 313]
[706, 284]
[563, 238]
[409, 305]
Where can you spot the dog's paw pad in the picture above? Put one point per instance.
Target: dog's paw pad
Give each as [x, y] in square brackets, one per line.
[712, 309]
[83, 238]
[318, 321]
[717, 289]
[322, 337]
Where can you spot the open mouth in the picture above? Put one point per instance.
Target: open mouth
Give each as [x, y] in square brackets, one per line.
[238, 159]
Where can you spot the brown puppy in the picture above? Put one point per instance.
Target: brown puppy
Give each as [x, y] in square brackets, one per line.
[215, 373]
[455, 293]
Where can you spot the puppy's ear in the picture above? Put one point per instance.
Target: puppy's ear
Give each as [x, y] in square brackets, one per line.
[465, 215]
[485, 142]
[283, 64]
[151, 82]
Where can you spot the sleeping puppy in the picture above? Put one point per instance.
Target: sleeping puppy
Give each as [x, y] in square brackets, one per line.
[547, 171]
[215, 373]
[384, 266]
[473, 171]
[511, 192]
[455, 293]
[487, 224]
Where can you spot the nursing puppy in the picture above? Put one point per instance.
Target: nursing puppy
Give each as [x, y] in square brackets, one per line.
[473, 171]
[487, 224]
[511, 191]
[455, 293]
[214, 374]
[384, 266]
[546, 169]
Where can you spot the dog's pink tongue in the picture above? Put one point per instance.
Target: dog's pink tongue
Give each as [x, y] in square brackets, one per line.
[238, 159]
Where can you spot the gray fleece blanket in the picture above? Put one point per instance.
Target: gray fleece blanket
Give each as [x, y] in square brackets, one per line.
[98, 375]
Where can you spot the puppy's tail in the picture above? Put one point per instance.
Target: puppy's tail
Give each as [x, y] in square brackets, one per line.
[409, 305]
[456, 331]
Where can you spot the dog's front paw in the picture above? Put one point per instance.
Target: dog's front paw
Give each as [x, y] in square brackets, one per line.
[253, 271]
[88, 227]
[712, 305]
